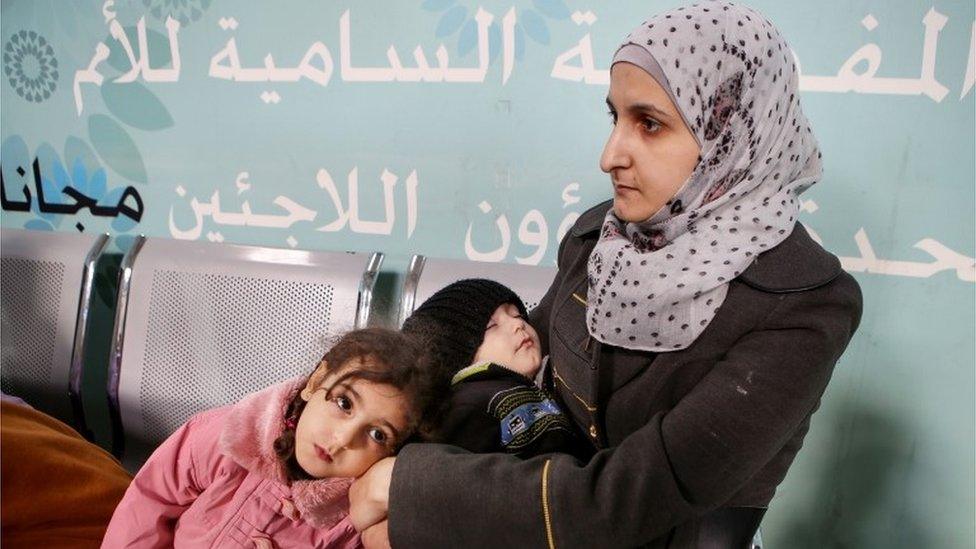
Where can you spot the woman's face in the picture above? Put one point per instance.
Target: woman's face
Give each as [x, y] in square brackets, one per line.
[650, 152]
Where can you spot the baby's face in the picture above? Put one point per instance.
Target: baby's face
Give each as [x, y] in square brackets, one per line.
[510, 342]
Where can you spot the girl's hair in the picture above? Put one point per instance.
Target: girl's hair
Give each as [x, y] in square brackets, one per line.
[387, 357]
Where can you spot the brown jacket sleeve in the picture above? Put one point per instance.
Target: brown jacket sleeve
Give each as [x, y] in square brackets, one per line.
[680, 464]
[59, 490]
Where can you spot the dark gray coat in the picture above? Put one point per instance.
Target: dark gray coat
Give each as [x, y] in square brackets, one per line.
[688, 441]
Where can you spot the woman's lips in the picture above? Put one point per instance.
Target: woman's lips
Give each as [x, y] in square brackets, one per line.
[623, 189]
[322, 454]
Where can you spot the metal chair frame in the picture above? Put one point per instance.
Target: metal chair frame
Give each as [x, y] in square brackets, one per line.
[64, 248]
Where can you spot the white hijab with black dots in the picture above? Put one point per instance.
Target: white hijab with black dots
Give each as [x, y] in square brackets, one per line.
[657, 284]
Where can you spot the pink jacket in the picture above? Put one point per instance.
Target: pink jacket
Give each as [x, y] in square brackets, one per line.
[216, 482]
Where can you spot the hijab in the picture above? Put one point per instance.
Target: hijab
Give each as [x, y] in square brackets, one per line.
[656, 285]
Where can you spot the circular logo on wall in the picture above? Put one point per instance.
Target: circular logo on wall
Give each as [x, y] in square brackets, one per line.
[30, 66]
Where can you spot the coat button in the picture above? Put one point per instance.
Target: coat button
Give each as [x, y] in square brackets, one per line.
[593, 431]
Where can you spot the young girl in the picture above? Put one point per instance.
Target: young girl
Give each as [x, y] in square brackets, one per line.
[274, 469]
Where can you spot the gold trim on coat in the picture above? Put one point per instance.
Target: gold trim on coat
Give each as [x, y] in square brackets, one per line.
[545, 505]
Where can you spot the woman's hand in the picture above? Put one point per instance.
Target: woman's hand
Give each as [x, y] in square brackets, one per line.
[369, 495]
[377, 536]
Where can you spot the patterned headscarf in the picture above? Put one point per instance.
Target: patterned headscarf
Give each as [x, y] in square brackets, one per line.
[656, 285]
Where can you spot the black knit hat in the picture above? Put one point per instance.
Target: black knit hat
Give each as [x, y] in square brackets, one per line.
[452, 321]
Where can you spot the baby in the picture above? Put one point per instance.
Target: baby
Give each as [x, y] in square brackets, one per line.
[477, 334]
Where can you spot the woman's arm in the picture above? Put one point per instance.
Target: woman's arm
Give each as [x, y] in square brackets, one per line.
[165, 486]
[680, 464]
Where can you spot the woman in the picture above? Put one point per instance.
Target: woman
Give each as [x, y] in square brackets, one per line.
[692, 327]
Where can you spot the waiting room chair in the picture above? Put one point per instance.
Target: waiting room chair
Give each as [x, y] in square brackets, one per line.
[46, 281]
[200, 325]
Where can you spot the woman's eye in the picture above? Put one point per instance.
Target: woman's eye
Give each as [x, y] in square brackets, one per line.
[378, 435]
[490, 326]
[650, 125]
[343, 403]
[613, 117]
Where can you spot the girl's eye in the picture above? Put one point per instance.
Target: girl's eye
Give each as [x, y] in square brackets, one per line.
[343, 403]
[650, 125]
[613, 117]
[490, 326]
[378, 435]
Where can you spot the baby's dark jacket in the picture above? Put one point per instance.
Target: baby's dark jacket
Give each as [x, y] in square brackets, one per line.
[494, 409]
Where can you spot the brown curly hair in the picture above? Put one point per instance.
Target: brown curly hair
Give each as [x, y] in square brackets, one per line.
[388, 357]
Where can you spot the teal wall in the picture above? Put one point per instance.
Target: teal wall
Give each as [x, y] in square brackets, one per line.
[492, 158]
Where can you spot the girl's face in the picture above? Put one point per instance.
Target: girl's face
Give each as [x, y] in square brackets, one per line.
[342, 432]
[510, 342]
[650, 152]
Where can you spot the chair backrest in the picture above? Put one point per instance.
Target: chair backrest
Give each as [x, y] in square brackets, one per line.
[46, 280]
[200, 325]
[427, 275]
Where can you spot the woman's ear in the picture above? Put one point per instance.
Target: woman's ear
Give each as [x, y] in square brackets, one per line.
[315, 380]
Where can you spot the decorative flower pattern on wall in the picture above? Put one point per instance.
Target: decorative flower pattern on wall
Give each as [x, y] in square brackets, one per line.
[131, 105]
[30, 66]
[76, 167]
[531, 22]
[56, 179]
[110, 152]
[184, 11]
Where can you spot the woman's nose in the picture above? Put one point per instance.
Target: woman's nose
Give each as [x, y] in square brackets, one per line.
[614, 154]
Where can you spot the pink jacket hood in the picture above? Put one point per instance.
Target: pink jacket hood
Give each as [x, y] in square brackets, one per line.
[248, 436]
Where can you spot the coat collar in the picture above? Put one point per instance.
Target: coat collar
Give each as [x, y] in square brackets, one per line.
[796, 264]
[487, 370]
[591, 220]
[248, 436]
